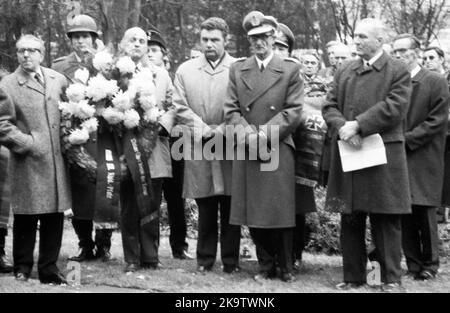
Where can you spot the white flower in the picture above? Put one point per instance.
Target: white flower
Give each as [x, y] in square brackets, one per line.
[147, 102]
[66, 108]
[102, 61]
[100, 88]
[122, 101]
[142, 86]
[152, 115]
[131, 119]
[81, 75]
[83, 110]
[76, 92]
[90, 125]
[112, 116]
[126, 65]
[78, 136]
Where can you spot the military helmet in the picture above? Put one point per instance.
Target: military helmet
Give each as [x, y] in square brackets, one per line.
[82, 23]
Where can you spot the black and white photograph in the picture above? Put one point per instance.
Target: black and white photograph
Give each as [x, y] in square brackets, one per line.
[224, 154]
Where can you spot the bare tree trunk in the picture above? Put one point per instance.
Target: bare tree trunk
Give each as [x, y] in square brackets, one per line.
[135, 13]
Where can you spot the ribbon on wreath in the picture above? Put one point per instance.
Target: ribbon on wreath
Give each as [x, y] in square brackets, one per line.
[137, 161]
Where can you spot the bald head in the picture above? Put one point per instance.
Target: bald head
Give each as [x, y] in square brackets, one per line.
[134, 43]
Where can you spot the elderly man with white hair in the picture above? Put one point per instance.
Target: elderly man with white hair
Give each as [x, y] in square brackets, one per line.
[139, 211]
[370, 96]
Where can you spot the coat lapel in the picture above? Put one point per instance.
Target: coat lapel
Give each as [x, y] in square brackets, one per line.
[224, 64]
[259, 83]
[23, 78]
[419, 76]
[358, 66]
[49, 80]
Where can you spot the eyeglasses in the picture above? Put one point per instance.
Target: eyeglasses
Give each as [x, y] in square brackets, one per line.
[431, 58]
[29, 50]
[310, 62]
[400, 51]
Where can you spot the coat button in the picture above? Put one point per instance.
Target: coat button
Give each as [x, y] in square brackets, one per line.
[247, 109]
[272, 108]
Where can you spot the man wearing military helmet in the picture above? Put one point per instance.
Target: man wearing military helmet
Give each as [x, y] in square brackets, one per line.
[83, 35]
[265, 100]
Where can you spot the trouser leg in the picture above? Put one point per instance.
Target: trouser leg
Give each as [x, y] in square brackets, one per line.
[299, 234]
[353, 245]
[103, 238]
[429, 239]
[387, 235]
[173, 191]
[265, 251]
[50, 234]
[83, 229]
[284, 246]
[207, 230]
[411, 242]
[24, 239]
[149, 236]
[230, 235]
[130, 222]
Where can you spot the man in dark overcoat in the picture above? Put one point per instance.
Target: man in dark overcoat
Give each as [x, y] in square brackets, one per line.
[370, 96]
[265, 93]
[83, 33]
[426, 127]
[30, 129]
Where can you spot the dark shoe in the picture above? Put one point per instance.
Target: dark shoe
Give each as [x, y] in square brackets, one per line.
[85, 255]
[5, 265]
[263, 275]
[230, 269]
[392, 287]
[288, 277]
[103, 254]
[131, 268]
[426, 275]
[203, 269]
[53, 278]
[21, 276]
[412, 275]
[183, 255]
[150, 266]
[348, 286]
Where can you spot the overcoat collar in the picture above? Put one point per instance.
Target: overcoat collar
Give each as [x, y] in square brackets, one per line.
[24, 78]
[222, 66]
[258, 83]
[378, 65]
[419, 75]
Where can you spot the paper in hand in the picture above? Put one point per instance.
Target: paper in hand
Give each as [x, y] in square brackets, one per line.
[372, 153]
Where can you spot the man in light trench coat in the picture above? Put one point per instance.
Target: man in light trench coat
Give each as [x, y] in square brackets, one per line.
[200, 90]
[29, 128]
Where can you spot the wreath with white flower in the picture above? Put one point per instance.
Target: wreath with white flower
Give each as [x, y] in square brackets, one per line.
[126, 102]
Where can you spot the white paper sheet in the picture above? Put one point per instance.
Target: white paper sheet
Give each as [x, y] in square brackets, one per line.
[372, 153]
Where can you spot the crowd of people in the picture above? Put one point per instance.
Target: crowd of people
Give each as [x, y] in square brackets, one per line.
[283, 104]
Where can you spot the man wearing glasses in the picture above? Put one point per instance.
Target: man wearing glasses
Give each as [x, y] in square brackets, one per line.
[426, 127]
[29, 128]
[265, 93]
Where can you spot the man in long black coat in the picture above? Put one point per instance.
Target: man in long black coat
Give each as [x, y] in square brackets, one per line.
[369, 96]
[426, 127]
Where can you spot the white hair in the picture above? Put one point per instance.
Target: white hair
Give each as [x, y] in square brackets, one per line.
[32, 38]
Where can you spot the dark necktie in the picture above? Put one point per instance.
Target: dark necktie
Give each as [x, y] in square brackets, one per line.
[38, 79]
[262, 67]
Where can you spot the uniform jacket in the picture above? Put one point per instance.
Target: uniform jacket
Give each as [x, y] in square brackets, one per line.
[199, 96]
[69, 64]
[378, 98]
[426, 129]
[30, 128]
[265, 199]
